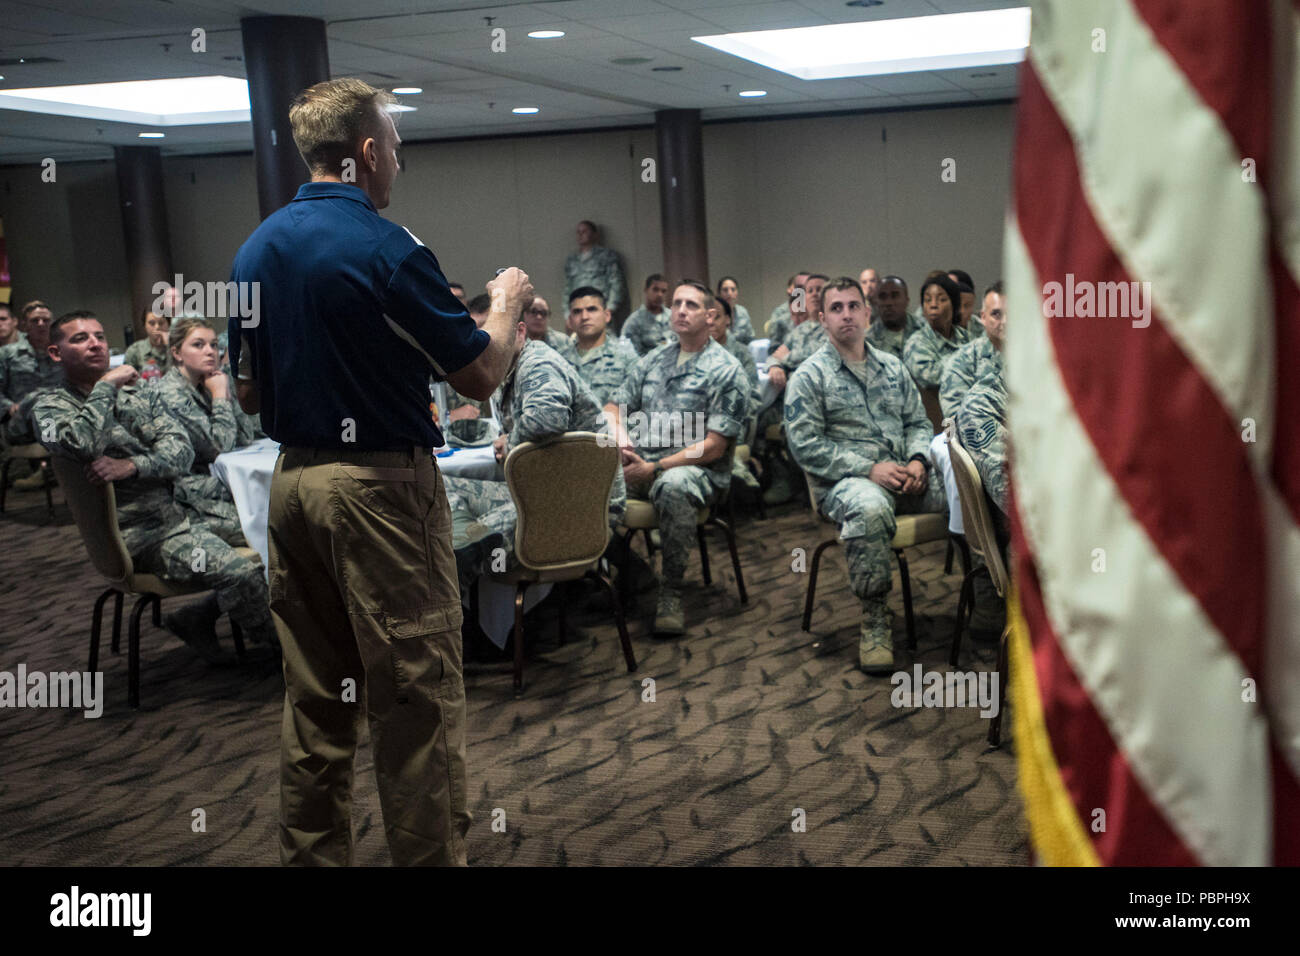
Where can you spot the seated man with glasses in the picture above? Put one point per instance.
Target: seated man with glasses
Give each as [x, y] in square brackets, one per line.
[538, 327]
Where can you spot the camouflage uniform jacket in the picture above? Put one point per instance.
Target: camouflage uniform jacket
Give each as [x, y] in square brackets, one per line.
[543, 396]
[123, 423]
[742, 326]
[882, 337]
[706, 393]
[839, 422]
[982, 429]
[808, 336]
[23, 375]
[778, 326]
[560, 343]
[647, 331]
[972, 362]
[604, 368]
[210, 425]
[140, 351]
[745, 357]
[598, 268]
[927, 354]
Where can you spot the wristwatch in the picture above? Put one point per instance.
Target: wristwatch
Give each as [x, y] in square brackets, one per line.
[923, 460]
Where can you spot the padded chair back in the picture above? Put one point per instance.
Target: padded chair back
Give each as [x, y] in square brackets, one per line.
[94, 508]
[933, 411]
[561, 493]
[980, 534]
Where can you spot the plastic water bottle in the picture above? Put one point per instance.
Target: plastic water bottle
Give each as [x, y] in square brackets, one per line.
[151, 372]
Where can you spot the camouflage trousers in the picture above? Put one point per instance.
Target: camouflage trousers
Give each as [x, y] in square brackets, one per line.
[865, 513]
[196, 555]
[210, 499]
[485, 501]
[677, 495]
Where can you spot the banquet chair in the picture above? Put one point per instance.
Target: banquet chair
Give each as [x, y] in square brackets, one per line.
[981, 538]
[561, 495]
[909, 531]
[94, 508]
[30, 452]
[640, 516]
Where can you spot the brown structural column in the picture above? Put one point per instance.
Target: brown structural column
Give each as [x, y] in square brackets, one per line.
[144, 225]
[681, 195]
[282, 56]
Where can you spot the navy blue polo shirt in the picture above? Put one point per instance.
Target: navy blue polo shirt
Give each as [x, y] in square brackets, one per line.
[354, 315]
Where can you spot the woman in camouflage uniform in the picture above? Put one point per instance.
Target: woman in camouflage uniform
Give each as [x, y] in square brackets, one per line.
[196, 392]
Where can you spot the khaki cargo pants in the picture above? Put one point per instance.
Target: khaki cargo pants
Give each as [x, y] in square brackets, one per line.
[364, 596]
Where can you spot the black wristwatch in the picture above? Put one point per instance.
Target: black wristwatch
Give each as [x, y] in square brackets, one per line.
[922, 459]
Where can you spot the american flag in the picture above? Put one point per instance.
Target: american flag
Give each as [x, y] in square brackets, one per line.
[1156, 511]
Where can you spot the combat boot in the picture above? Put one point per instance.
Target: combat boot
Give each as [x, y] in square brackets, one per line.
[669, 619]
[876, 641]
[196, 625]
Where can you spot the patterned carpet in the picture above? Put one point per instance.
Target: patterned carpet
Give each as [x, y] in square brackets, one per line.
[752, 720]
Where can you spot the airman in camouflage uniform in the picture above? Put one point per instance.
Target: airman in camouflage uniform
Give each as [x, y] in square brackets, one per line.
[882, 337]
[212, 430]
[742, 326]
[139, 352]
[704, 392]
[927, 354]
[163, 536]
[982, 428]
[595, 266]
[804, 340]
[724, 336]
[845, 419]
[24, 374]
[604, 367]
[972, 362]
[647, 330]
[778, 327]
[542, 396]
[560, 343]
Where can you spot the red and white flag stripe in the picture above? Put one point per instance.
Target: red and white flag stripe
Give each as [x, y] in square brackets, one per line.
[1156, 480]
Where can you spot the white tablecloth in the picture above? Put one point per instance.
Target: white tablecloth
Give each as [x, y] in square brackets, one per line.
[247, 473]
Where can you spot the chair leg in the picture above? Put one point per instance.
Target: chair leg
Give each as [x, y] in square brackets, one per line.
[237, 636]
[966, 597]
[49, 494]
[812, 582]
[728, 530]
[563, 625]
[519, 638]
[964, 549]
[4, 483]
[907, 600]
[619, 618]
[157, 610]
[649, 542]
[97, 626]
[995, 728]
[625, 570]
[117, 623]
[947, 560]
[704, 555]
[133, 650]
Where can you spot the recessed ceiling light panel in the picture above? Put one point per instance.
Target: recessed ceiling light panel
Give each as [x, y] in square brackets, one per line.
[546, 34]
[186, 101]
[407, 90]
[836, 50]
[525, 110]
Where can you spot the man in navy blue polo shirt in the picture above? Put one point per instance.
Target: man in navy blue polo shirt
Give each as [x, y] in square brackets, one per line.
[353, 313]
